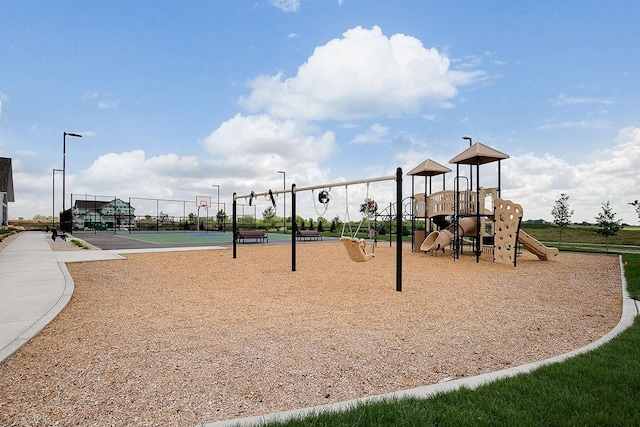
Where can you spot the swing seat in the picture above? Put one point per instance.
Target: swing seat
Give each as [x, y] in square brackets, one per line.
[356, 249]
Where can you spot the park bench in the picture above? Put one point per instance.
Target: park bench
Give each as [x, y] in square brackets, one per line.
[308, 235]
[257, 235]
[58, 234]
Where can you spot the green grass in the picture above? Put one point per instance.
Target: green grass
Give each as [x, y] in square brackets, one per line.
[601, 387]
[582, 234]
[79, 244]
[632, 274]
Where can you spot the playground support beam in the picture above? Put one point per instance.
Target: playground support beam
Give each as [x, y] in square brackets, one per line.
[399, 230]
[316, 187]
[234, 224]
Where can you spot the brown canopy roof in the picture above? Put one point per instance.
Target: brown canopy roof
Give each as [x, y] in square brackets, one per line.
[478, 153]
[429, 168]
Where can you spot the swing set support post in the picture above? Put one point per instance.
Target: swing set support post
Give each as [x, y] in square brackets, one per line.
[398, 229]
[234, 224]
[294, 227]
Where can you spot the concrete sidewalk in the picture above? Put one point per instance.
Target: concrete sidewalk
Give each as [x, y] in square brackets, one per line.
[34, 287]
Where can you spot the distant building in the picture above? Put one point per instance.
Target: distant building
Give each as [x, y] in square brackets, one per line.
[100, 214]
[6, 190]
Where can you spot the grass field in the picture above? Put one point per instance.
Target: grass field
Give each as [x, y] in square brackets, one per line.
[582, 234]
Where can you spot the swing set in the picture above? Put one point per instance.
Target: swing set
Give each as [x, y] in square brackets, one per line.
[356, 248]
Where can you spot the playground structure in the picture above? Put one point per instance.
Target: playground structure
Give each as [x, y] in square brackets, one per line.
[481, 215]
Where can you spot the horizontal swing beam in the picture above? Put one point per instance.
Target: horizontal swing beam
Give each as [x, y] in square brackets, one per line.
[316, 187]
[346, 183]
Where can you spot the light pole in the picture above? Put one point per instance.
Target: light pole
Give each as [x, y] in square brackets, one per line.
[64, 164]
[53, 198]
[468, 138]
[284, 200]
[218, 204]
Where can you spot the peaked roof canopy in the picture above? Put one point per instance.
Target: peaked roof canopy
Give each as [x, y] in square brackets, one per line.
[478, 153]
[429, 168]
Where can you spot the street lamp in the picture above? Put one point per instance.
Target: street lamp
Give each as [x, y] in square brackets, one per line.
[284, 200]
[53, 198]
[64, 164]
[218, 209]
[468, 138]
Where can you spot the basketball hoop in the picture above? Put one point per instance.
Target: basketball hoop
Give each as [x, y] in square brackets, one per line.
[203, 201]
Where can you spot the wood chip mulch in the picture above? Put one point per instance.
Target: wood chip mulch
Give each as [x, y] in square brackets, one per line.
[182, 338]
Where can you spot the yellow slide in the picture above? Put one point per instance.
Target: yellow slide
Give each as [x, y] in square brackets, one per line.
[535, 247]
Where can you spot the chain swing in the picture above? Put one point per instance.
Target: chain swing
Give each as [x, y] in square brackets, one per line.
[356, 248]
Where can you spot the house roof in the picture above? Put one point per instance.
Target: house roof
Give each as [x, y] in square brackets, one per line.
[95, 204]
[90, 204]
[6, 178]
[429, 168]
[478, 153]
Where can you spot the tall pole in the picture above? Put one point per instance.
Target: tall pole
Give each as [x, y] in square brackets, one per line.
[218, 204]
[399, 209]
[53, 198]
[64, 164]
[234, 224]
[468, 138]
[284, 200]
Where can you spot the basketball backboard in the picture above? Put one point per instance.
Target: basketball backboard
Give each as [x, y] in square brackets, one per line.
[203, 201]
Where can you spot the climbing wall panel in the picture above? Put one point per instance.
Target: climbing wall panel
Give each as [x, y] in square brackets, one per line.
[507, 217]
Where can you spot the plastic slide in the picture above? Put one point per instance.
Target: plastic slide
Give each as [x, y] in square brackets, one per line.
[441, 239]
[543, 252]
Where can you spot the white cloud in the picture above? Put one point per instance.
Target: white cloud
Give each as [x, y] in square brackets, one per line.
[582, 124]
[253, 147]
[108, 104]
[3, 98]
[566, 100]
[363, 74]
[90, 95]
[536, 182]
[286, 6]
[105, 101]
[374, 134]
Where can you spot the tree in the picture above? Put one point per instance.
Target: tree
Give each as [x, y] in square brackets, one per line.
[636, 204]
[222, 219]
[562, 213]
[336, 224]
[369, 208]
[192, 221]
[607, 224]
[268, 217]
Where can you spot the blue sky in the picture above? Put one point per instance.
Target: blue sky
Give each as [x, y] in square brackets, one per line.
[175, 98]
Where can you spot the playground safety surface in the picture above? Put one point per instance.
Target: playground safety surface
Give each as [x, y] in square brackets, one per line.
[184, 338]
